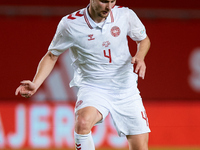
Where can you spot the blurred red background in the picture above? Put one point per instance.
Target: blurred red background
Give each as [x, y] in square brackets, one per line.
[172, 82]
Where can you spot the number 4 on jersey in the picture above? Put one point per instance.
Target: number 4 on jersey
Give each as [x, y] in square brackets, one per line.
[108, 56]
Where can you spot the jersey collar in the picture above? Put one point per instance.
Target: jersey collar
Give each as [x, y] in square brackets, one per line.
[91, 24]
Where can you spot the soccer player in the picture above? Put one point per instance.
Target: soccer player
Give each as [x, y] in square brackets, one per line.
[104, 70]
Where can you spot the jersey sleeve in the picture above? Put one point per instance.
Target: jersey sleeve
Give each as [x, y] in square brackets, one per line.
[136, 30]
[62, 39]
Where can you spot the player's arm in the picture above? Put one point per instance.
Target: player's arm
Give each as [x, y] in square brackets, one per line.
[28, 88]
[142, 49]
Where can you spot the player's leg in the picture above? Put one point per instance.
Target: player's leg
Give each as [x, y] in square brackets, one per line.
[90, 109]
[130, 119]
[85, 119]
[138, 142]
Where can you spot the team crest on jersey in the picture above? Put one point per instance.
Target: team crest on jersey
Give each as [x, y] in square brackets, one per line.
[115, 31]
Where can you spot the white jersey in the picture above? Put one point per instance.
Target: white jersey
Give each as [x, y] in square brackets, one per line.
[100, 52]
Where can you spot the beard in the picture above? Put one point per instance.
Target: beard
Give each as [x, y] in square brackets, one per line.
[98, 12]
[103, 14]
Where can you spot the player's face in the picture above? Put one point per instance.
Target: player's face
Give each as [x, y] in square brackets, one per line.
[100, 9]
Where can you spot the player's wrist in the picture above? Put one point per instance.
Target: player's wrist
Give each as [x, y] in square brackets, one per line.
[139, 57]
[36, 85]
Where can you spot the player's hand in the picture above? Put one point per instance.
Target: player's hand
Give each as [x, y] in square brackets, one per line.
[26, 89]
[139, 66]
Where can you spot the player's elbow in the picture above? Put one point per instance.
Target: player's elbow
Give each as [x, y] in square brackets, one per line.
[52, 56]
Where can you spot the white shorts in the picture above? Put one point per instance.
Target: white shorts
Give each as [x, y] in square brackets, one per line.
[127, 110]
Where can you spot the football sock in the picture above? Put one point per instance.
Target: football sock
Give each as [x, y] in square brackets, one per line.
[84, 142]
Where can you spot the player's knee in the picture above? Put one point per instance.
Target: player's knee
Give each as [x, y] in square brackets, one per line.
[139, 147]
[138, 142]
[82, 125]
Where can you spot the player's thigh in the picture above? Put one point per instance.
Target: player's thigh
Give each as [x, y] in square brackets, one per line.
[138, 142]
[86, 118]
